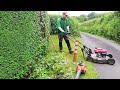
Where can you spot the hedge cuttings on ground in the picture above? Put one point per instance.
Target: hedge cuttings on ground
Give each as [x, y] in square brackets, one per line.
[53, 66]
[23, 42]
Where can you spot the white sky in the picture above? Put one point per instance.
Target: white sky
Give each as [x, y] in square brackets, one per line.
[76, 13]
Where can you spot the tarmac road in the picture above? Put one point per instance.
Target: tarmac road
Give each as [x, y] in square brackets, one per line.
[106, 71]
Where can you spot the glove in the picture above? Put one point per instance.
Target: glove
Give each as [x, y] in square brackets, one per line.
[68, 32]
[65, 33]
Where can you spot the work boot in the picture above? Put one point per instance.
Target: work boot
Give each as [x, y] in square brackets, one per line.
[71, 51]
[61, 50]
[69, 47]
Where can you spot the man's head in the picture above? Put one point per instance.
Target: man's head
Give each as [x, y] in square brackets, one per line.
[64, 15]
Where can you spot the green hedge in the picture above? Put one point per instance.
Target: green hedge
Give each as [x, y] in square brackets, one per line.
[22, 42]
[74, 25]
[108, 25]
[53, 20]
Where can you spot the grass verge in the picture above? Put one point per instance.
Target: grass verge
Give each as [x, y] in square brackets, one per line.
[60, 65]
[91, 71]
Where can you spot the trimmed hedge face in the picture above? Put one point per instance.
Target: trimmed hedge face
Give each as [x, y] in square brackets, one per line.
[107, 25]
[22, 41]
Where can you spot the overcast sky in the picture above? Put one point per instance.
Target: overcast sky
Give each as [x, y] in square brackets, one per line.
[76, 13]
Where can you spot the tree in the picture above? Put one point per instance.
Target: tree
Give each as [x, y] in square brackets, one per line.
[117, 13]
[82, 18]
[92, 15]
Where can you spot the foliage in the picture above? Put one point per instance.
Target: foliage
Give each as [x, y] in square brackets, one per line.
[53, 20]
[92, 15]
[107, 26]
[52, 67]
[82, 18]
[22, 42]
[74, 26]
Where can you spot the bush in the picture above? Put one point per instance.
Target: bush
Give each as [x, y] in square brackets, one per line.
[107, 26]
[23, 41]
[53, 21]
[74, 26]
[52, 67]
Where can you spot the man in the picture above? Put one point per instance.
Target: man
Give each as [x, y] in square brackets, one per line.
[63, 28]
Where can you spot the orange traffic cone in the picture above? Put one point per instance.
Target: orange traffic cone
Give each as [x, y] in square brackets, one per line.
[75, 51]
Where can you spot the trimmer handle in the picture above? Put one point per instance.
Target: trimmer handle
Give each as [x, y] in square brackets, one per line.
[68, 32]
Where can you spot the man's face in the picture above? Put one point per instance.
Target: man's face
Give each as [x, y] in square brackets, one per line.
[64, 16]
